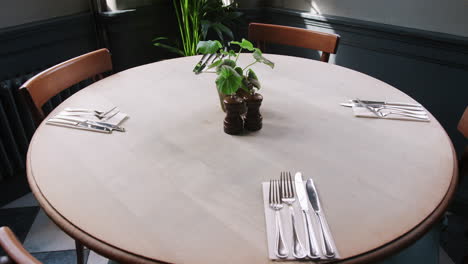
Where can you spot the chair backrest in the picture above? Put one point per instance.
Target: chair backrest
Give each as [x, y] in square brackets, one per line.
[291, 36]
[463, 123]
[16, 254]
[43, 86]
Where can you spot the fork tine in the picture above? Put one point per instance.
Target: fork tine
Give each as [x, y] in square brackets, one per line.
[279, 191]
[276, 191]
[282, 184]
[271, 192]
[291, 184]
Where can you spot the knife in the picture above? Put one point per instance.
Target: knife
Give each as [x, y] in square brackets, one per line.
[96, 123]
[369, 108]
[311, 240]
[78, 125]
[406, 108]
[328, 248]
[386, 103]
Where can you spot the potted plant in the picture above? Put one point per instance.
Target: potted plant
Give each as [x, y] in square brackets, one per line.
[196, 19]
[233, 78]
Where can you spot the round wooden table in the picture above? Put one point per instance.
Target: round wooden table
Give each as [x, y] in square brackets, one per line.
[175, 188]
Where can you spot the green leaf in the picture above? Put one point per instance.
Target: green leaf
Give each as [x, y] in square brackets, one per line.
[255, 83]
[215, 64]
[170, 48]
[228, 81]
[208, 47]
[258, 56]
[159, 38]
[239, 70]
[245, 84]
[226, 62]
[251, 74]
[222, 28]
[245, 44]
[205, 26]
[228, 53]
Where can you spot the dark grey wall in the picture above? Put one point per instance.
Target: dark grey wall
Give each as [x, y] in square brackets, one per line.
[430, 67]
[32, 46]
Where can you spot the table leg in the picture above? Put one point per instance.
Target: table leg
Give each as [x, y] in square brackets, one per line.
[79, 252]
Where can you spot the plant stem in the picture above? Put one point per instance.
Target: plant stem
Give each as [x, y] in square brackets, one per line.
[249, 65]
[237, 57]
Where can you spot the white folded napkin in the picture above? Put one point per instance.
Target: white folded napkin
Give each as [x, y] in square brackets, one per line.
[115, 117]
[287, 226]
[361, 111]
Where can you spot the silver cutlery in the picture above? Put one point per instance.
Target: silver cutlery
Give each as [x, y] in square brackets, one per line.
[201, 65]
[419, 117]
[110, 115]
[397, 109]
[78, 125]
[325, 233]
[379, 106]
[281, 250]
[311, 240]
[98, 114]
[399, 113]
[387, 103]
[96, 123]
[287, 191]
[368, 108]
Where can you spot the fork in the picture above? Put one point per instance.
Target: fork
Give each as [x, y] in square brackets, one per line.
[275, 203]
[288, 197]
[96, 113]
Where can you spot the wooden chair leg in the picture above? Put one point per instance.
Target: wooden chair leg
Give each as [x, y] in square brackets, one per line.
[79, 252]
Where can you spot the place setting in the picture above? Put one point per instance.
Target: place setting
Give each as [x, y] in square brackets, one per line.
[387, 110]
[103, 121]
[296, 226]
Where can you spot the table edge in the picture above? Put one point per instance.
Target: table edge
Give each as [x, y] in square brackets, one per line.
[123, 256]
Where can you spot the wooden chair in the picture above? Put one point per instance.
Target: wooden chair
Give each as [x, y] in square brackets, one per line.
[40, 88]
[291, 36]
[15, 252]
[45, 85]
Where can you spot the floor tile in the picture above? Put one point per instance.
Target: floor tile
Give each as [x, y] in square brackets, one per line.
[444, 258]
[19, 220]
[95, 258]
[59, 257]
[46, 236]
[26, 201]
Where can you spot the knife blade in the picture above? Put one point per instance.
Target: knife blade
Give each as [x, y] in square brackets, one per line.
[386, 103]
[97, 123]
[405, 108]
[311, 241]
[325, 233]
[78, 125]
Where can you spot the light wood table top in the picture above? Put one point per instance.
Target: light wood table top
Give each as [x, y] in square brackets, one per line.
[177, 189]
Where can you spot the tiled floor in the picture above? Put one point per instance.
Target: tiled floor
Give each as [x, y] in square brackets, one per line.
[40, 236]
[49, 244]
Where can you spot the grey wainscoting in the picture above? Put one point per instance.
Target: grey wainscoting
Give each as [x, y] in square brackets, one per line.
[33, 46]
[430, 67]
